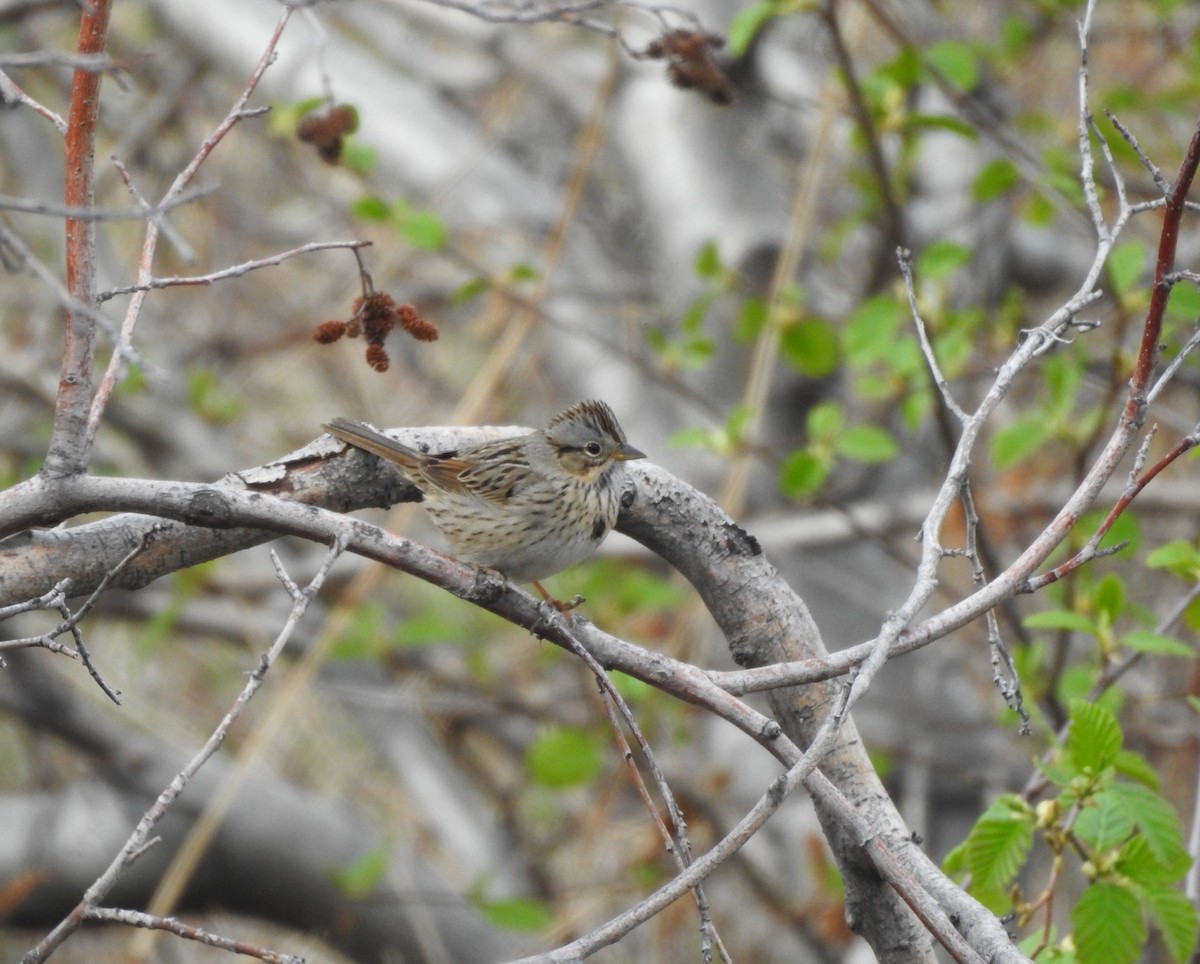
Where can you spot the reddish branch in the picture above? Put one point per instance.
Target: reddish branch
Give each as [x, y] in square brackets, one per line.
[68, 449]
[1151, 347]
[1167, 243]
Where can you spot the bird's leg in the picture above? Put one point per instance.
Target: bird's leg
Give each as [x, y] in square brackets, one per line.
[560, 605]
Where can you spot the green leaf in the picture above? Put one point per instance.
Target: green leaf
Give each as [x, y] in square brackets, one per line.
[1061, 619]
[518, 914]
[1124, 530]
[941, 259]
[363, 876]
[1016, 34]
[1176, 918]
[695, 313]
[1110, 597]
[469, 290]
[999, 844]
[1137, 862]
[359, 157]
[708, 261]
[941, 122]
[1184, 302]
[1094, 738]
[956, 62]
[802, 474]
[361, 639]
[747, 23]
[867, 443]
[1038, 210]
[1126, 264]
[1109, 928]
[995, 180]
[1177, 554]
[811, 347]
[428, 628]
[424, 230]
[1137, 767]
[955, 862]
[751, 319]
[564, 756]
[209, 398]
[1144, 641]
[903, 70]
[694, 437]
[371, 207]
[1016, 442]
[825, 421]
[1158, 822]
[1104, 822]
[870, 332]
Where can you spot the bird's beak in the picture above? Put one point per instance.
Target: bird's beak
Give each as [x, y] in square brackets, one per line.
[627, 453]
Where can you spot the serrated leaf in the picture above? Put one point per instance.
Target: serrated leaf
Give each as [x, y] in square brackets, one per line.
[1176, 918]
[811, 347]
[955, 862]
[1104, 822]
[1126, 264]
[1137, 767]
[1061, 619]
[1109, 928]
[1137, 862]
[802, 474]
[998, 845]
[867, 443]
[1144, 641]
[1158, 822]
[564, 756]
[1094, 738]
[995, 180]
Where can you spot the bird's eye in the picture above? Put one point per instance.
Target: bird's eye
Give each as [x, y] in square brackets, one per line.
[593, 449]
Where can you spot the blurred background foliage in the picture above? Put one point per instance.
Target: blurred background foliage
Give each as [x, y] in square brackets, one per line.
[579, 222]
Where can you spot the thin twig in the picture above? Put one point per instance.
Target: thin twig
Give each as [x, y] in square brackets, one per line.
[682, 852]
[236, 113]
[11, 93]
[140, 839]
[904, 258]
[235, 271]
[137, 918]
